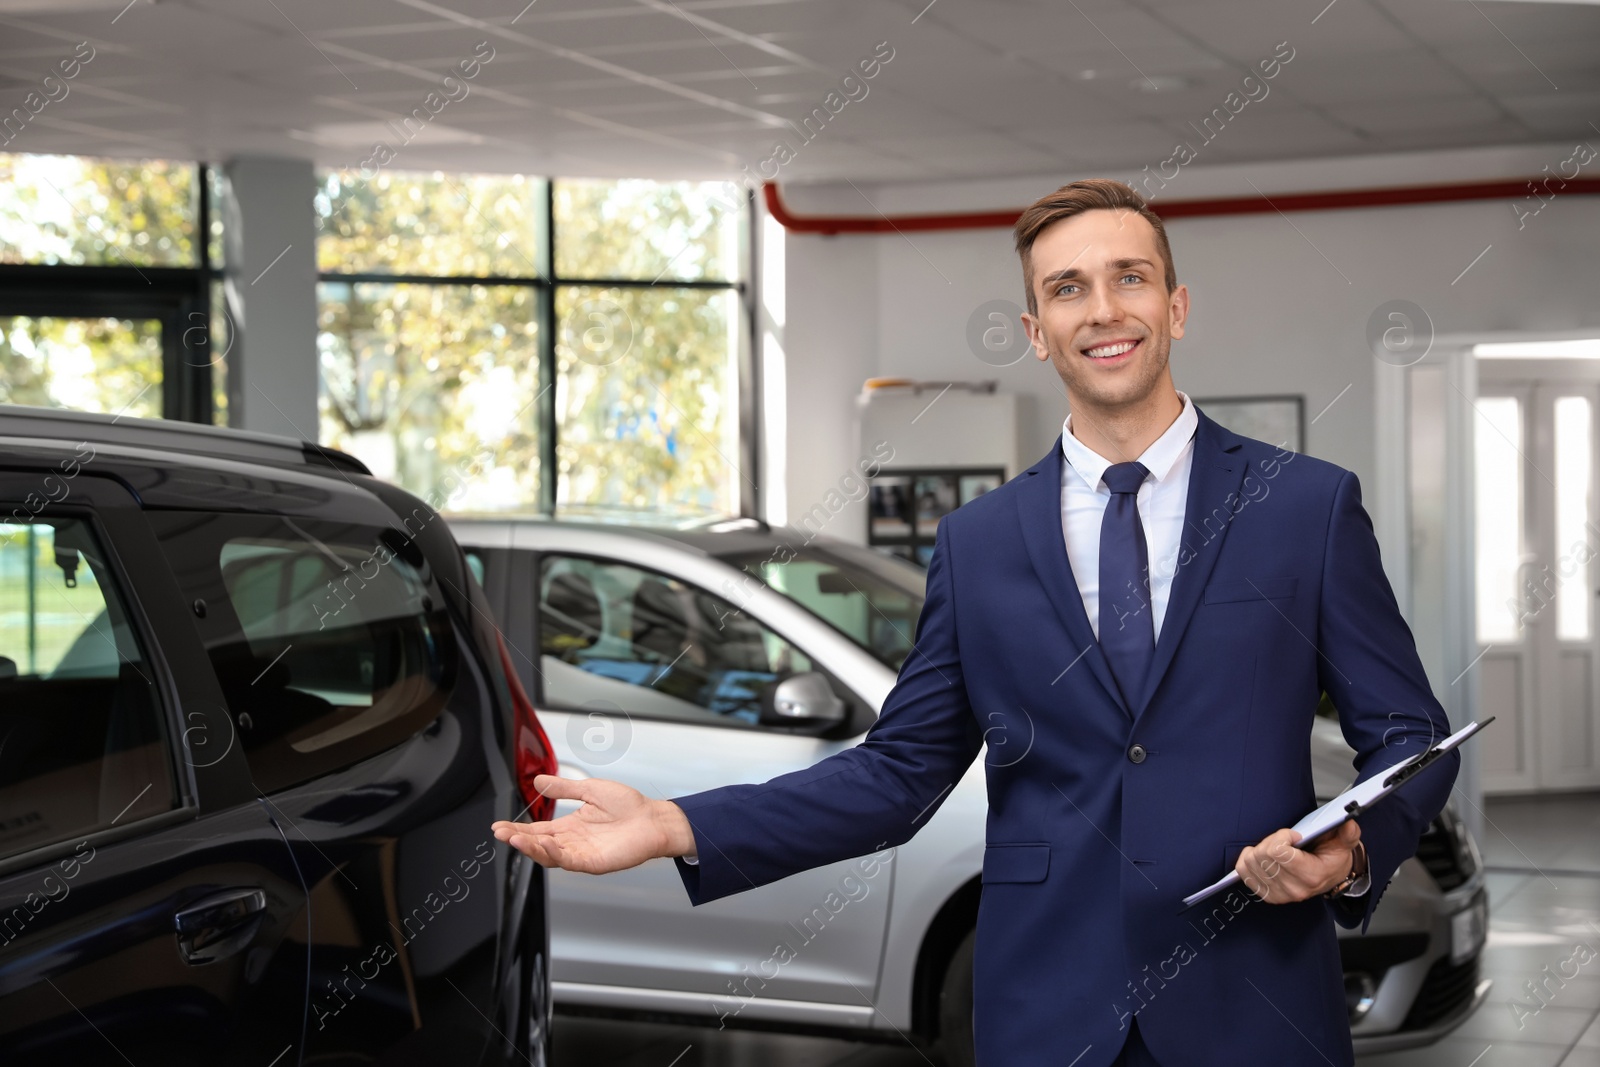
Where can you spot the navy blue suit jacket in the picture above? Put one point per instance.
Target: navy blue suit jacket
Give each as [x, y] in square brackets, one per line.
[1278, 595]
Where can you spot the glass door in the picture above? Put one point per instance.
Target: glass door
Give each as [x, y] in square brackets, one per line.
[1536, 540]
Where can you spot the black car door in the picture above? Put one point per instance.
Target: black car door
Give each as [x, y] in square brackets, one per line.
[341, 643]
[147, 897]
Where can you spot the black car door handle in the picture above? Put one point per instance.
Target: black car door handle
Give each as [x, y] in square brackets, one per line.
[219, 925]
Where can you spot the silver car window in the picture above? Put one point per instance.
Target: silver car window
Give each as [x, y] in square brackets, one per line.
[873, 599]
[612, 635]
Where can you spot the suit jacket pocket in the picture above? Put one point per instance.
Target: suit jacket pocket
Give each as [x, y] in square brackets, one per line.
[1016, 862]
[1250, 589]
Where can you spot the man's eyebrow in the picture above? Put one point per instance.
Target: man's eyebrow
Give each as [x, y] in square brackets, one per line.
[1067, 273]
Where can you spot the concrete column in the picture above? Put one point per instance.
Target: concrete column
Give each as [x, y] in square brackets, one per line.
[271, 287]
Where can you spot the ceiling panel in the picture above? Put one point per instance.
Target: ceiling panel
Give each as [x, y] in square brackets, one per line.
[1389, 75]
[681, 55]
[624, 26]
[1450, 23]
[1499, 69]
[1417, 113]
[1246, 33]
[307, 17]
[688, 87]
[1576, 114]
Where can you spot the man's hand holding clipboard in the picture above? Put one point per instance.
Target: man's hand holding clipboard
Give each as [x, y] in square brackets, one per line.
[1352, 802]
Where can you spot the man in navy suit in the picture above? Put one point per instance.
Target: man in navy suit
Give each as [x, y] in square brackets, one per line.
[1165, 603]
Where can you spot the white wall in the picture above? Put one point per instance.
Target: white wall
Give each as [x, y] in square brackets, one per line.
[1278, 304]
[831, 344]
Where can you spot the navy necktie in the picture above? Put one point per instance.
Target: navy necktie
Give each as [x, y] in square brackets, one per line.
[1127, 630]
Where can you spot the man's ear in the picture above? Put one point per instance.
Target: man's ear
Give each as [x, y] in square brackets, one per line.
[1178, 307]
[1035, 337]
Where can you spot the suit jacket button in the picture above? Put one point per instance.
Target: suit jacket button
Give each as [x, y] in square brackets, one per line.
[1136, 754]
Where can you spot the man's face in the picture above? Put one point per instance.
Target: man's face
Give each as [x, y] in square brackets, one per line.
[1098, 282]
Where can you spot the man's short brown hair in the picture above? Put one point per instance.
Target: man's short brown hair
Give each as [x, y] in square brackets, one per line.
[1074, 199]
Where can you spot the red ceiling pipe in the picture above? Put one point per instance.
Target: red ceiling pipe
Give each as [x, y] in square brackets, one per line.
[1510, 190]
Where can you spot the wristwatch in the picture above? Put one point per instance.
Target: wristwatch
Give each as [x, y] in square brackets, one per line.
[1360, 850]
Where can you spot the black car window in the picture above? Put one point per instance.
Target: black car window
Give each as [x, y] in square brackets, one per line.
[616, 636]
[83, 737]
[330, 640]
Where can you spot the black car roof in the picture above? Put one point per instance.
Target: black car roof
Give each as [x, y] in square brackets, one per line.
[166, 435]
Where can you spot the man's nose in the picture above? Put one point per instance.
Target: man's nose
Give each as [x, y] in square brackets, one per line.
[1104, 306]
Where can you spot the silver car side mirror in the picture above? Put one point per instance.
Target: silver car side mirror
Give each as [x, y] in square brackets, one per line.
[804, 700]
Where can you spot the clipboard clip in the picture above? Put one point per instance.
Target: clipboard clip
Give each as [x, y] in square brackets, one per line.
[1416, 763]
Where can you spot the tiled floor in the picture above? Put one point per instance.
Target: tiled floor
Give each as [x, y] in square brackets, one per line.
[1543, 857]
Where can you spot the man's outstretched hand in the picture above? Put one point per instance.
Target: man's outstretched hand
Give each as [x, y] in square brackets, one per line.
[616, 828]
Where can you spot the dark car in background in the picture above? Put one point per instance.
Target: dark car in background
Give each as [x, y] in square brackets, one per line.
[255, 722]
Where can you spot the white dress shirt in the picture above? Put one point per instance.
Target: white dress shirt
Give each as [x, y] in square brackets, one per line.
[1162, 500]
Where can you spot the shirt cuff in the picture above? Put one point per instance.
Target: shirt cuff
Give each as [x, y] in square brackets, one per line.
[694, 860]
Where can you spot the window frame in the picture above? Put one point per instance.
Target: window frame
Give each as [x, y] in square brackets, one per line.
[177, 297]
[111, 533]
[547, 283]
[852, 725]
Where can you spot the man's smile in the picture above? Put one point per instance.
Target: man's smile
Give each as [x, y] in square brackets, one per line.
[1112, 352]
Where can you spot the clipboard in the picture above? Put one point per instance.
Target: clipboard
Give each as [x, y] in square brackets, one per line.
[1352, 802]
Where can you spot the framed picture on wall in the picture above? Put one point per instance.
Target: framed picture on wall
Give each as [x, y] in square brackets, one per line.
[1277, 420]
[936, 498]
[889, 510]
[905, 506]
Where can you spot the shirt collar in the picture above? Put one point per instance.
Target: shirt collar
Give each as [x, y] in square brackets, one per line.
[1160, 458]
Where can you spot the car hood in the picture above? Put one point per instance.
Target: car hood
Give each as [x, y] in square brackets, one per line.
[1332, 761]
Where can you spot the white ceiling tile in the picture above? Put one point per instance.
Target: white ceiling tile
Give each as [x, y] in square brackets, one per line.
[307, 17]
[1415, 113]
[1450, 23]
[1391, 75]
[630, 25]
[1497, 68]
[974, 89]
[1576, 114]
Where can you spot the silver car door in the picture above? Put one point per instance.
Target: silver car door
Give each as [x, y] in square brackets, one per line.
[652, 681]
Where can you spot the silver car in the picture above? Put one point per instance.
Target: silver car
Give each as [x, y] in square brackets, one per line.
[679, 659]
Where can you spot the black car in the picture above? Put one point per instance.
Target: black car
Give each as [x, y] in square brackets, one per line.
[255, 722]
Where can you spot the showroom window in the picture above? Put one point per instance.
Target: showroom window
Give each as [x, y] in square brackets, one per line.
[570, 347]
[106, 290]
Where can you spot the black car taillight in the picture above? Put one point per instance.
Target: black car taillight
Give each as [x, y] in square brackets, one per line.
[533, 752]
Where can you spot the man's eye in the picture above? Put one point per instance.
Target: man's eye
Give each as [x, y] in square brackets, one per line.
[1064, 288]
[1135, 277]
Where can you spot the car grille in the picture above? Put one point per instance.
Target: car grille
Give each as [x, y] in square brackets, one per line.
[1376, 953]
[1444, 851]
[1448, 987]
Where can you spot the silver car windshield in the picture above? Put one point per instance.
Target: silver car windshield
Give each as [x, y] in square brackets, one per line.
[872, 599]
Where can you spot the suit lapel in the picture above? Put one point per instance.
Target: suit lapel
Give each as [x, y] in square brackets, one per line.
[1039, 504]
[1215, 475]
